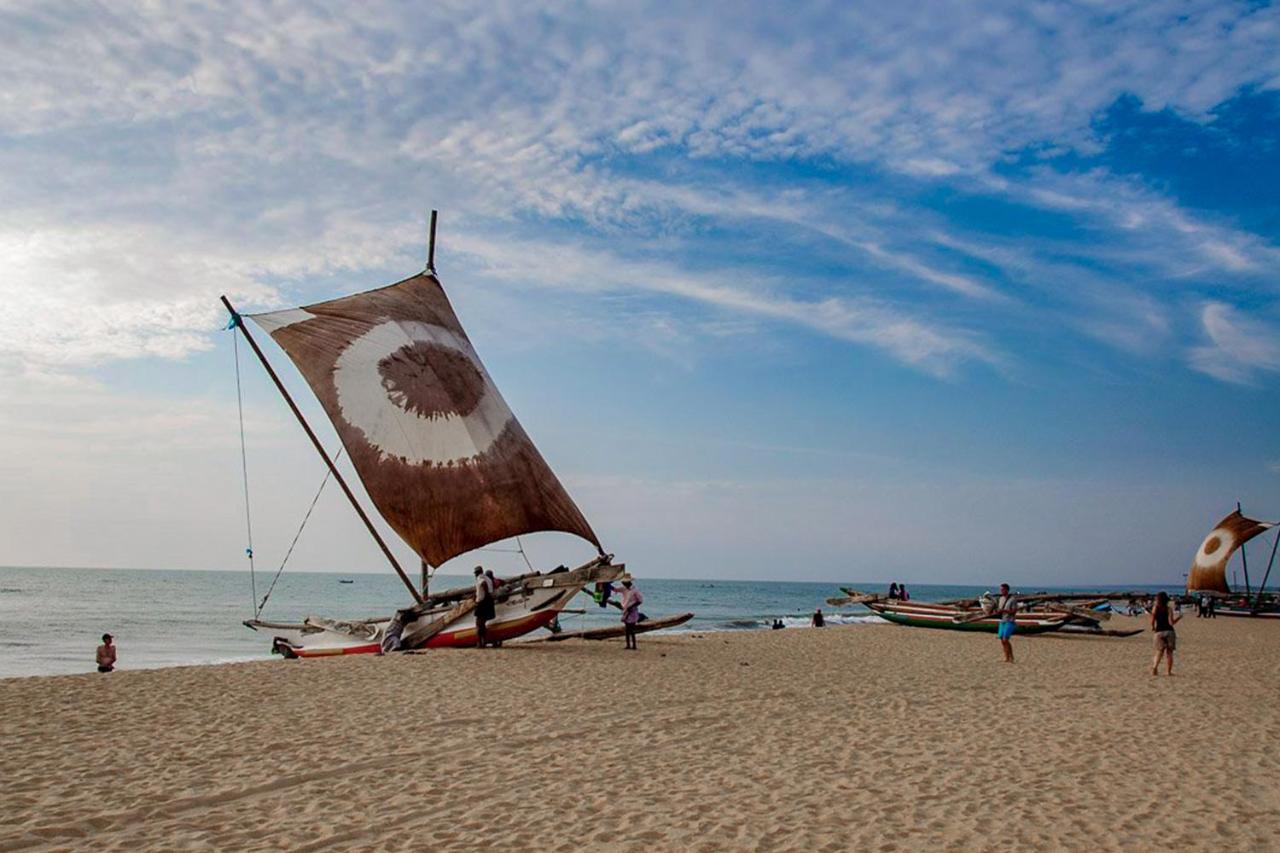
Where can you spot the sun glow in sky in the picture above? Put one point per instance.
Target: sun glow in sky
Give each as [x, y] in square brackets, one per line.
[934, 292]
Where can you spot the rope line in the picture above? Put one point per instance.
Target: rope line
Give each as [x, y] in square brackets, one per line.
[244, 471]
[328, 472]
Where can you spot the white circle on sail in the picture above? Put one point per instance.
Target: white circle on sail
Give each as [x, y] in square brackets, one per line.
[440, 439]
[1222, 541]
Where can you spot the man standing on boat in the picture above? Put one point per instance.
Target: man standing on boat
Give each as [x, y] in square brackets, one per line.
[1007, 608]
[484, 605]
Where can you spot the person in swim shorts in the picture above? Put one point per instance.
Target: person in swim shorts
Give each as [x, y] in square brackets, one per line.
[1007, 610]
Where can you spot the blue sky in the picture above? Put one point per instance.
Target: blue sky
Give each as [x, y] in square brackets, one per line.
[931, 293]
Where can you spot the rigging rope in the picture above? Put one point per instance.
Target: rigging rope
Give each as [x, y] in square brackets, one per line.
[328, 472]
[244, 471]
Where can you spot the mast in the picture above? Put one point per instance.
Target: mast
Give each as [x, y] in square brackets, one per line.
[1257, 602]
[333, 469]
[1244, 558]
[431, 245]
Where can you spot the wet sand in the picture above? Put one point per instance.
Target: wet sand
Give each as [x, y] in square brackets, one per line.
[874, 737]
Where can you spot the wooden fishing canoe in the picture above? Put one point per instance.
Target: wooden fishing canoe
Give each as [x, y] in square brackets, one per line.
[614, 631]
[925, 615]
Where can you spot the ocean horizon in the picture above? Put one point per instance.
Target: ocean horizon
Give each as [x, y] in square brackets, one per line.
[52, 618]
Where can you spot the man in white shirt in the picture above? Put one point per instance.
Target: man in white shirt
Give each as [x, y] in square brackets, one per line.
[1007, 610]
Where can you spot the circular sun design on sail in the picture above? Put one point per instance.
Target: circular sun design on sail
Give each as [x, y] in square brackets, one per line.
[431, 380]
[1217, 543]
[418, 393]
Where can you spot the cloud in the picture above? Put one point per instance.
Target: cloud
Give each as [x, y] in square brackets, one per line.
[933, 347]
[1239, 347]
[244, 152]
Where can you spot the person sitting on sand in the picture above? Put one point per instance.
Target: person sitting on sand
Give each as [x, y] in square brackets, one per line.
[893, 592]
[903, 595]
[484, 605]
[777, 625]
[106, 655]
[1007, 610]
[631, 601]
[1163, 618]
[818, 621]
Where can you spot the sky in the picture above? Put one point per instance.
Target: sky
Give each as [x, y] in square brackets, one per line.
[934, 292]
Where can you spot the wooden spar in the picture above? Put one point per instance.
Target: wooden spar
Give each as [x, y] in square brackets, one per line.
[431, 244]
[418, 638]
[333, 469]
[543, 579]
[1244, 558]
[426, 578]
[1257, 603]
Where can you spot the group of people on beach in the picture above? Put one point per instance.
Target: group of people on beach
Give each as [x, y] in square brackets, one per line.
[1162, 616]
[1206, 607]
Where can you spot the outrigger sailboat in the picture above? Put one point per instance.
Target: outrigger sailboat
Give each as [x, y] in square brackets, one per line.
[440, 454]
[1208, 575]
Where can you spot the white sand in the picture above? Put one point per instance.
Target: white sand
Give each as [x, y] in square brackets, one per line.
[868, 737]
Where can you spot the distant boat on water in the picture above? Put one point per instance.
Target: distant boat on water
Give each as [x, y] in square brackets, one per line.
[345, 580]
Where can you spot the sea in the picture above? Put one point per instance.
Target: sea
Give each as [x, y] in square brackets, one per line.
[52, 619]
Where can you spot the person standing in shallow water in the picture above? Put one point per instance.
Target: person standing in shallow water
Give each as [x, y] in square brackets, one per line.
[1007, 610]
[1162, 621]
[631, 601]
[106, 654]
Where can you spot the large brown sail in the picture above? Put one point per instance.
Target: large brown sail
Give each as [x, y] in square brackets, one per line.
[441, 455]
[1209, 568]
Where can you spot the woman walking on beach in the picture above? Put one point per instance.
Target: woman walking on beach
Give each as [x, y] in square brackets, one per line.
[631, 601]
[1162, 621]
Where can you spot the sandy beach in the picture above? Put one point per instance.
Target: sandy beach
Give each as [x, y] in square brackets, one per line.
[874, 737]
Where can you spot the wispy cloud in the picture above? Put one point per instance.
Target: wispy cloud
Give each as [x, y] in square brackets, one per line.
[933, 347]
[1238, 348]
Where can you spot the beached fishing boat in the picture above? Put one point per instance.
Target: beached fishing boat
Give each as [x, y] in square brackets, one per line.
[440, 454]
[614, 631]
[919, 614]
[1208, 575]
[1038, 614]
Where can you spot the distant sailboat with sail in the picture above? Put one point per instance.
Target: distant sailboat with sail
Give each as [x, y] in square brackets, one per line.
[441, 456]
[1208, 575]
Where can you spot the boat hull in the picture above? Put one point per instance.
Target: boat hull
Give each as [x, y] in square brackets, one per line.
[1247, 613]
[615, 631]
[532, 605]
[924, 615]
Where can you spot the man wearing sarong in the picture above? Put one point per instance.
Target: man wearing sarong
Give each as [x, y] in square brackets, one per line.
[484, 605]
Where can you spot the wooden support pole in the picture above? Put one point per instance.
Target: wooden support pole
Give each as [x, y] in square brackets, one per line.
[431, 244]
[1257, 602]
[1244, 560]
[333, 469]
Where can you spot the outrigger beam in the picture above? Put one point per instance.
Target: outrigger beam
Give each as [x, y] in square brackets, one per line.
[333, 469]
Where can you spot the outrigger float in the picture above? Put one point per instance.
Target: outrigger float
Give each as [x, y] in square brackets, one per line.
[440, 454]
